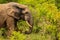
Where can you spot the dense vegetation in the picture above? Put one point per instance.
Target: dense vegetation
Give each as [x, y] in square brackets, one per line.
[46, 15]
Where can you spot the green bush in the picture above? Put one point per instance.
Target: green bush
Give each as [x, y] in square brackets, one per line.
[46, 18]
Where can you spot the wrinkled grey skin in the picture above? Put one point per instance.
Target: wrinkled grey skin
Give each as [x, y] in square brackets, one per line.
[10, 13]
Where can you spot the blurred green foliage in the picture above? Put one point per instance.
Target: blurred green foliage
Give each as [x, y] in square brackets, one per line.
[46, 20]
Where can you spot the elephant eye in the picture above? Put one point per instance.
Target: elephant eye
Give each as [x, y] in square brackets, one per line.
[26, 12]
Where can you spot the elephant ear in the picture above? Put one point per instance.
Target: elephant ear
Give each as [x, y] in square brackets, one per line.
[13, 13]
[22, 8]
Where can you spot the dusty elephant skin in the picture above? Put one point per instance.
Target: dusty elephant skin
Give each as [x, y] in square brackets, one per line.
[11, 12]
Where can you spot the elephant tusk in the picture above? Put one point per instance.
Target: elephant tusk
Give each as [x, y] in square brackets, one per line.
[28, 24]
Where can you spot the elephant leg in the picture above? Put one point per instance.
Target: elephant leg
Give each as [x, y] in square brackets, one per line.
[16, 28]
[10, 26]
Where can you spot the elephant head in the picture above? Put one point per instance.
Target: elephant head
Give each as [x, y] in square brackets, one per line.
[19, 11]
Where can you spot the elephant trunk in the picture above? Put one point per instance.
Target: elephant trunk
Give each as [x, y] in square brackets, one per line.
[29, 21]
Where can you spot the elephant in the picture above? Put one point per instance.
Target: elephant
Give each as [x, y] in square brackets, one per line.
[11, 13]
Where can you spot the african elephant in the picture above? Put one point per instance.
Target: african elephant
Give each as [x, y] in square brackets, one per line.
[11, 13]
